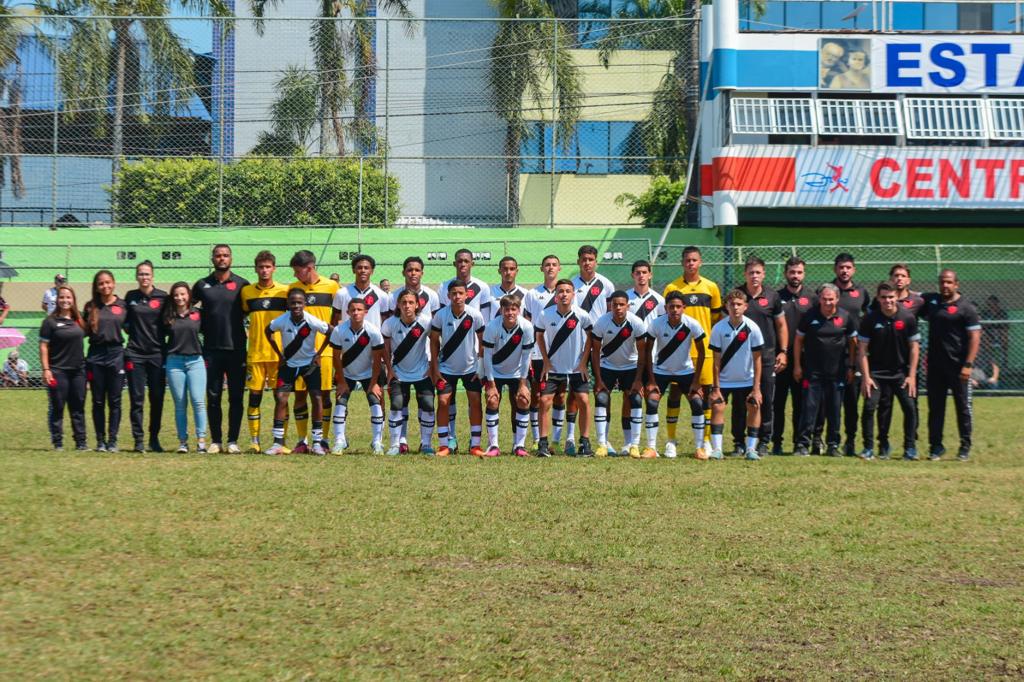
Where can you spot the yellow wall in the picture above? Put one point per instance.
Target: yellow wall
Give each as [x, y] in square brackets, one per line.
[579, 199]
[622, 92]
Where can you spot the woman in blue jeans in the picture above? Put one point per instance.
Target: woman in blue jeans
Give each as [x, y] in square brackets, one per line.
[186, 371]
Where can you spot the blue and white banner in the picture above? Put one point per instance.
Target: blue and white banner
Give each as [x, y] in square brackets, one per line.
[951, 64]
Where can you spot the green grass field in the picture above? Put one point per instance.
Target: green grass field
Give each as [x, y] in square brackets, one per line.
[250, 567]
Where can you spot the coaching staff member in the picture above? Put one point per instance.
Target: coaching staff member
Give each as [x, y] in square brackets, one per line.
[854, 299]
[826, 340]
[218, 295]
[796, 299]
[887, 353]
[954, 334]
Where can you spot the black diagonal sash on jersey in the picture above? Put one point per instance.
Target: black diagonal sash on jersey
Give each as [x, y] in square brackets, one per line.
[642, 311]
[551, 302]
[666, 351]
[588, 300]
[354, 350]
[399, 353]
[735, 345]
[456, 339]
[563, 333]
[295, 344]
[423, 299]
[613, 345]
[475, 288]
[501, 355]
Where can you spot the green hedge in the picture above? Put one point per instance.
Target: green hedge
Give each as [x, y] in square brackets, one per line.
[257, 191]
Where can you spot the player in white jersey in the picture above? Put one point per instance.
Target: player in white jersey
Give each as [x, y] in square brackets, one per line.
[407, 362]
[478, 295]
[358, 360]
[299, 357]
[508, 270]
[412, 270]
[378, 301]
[455, 334]
[644, 302]
[736, 342]
[507, 342]
[669, 340]
[617, 343]
[591, 292]
[563, 334]
[537, 299]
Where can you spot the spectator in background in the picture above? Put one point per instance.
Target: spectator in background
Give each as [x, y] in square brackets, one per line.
[15, 371]
[4, 309]
[50, 295]
[385, 285]
[336, 277]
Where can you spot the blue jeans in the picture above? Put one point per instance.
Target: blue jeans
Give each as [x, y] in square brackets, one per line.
[186, 374]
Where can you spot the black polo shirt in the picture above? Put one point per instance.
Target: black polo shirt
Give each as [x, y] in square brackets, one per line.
[182, 333]
[856, 300]
[143, 324]
[912, 303]
[111, 323]
[221, 304]
[888, 340]
[949, 325]
[763, 309]
[794, 305]
[825, 343]
[65, 342]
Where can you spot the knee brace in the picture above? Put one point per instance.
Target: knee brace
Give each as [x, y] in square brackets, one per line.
[255, 399]
[397, 398]
[652, 405]
[696, 406]
[635, 401]
[602, 399]
[343, 399]
[674, 403]
[425, 401]
[371, 399]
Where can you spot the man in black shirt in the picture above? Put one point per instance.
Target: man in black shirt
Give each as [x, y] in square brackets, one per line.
[796, 299]
[218, 295]
[954, 334]
[144, 357]
[823, 362]
[887, 354]
[765, 309]
[855, 300]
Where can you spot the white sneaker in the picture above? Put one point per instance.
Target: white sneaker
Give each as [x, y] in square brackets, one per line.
[339, 448]
[670, 450]
[233, 449]
[394, 451]
[707, 445]
[318, 449]
[612, 452]
[183, 449]
[213, 449]
[377, 448]
[275, 449]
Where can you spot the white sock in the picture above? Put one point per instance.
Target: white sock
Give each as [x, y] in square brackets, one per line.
[636, 420]
[474, 435]
[492, 418]
[601, 423]
[570, 427]
[338, 419]
[395, 425]
[717, 436]
[442, 436]
[522, 424]
[557, 419]
[535, 424]
[697, 422]
[405, 424]
[376, 422]
[426, 427]
[652, 430]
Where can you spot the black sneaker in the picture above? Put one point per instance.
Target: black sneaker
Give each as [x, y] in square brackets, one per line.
[112, 446]
[139, 446]
[884, 451]
[936, 453]
[777, 449]
[542, 448]
[817, 447]
[833, 451]
[738, 451]
[850, 448]
[801, 451]
[101, 447]
[57, 447]
[762, 449]
[154, 446]
[963, 455]
[584, 449]
[82, 447]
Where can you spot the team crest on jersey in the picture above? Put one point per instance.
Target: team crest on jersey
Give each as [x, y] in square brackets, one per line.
[265, 303]
[837, 321]
[595, 290]
[854, 294]
[363, 340]
[951, 310]
[681, 334]
[194, 316]
[516, 338]
[311, 299]
[624, 333]
[649, 304]
[370, 300]
[908, 303]
[762, 301]
[467, 323]
[470, 293]
[304, 332]
[899, 324]
[231, 286]
[571, 324]
[693, 299]
[416, 332]
[742, 336]
[154, 303]
[116, 309]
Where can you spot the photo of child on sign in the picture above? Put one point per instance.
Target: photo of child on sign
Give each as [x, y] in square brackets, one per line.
[844, 64]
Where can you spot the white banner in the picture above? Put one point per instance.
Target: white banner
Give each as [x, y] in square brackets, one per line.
[964, 64]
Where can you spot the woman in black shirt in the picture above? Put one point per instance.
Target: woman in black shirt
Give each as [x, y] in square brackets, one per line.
[105, 316]
[144, 358]
[186, 370]
[61, 353]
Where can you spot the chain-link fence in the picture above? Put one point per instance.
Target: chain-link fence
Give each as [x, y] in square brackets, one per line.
[342, 121]
[990, 276]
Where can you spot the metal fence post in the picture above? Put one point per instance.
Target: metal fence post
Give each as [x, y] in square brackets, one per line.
[220, 126]
[55, 147]
[359, 208]
[554, 125]
[387, 119]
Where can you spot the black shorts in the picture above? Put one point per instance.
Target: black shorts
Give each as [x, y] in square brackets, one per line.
[739, 395]
[684, 381]
[621, 379]
[536, 367]
[286, 377]
[470, 382]
[355, 384]
[511, 384]
[420, 386]
[557, 383]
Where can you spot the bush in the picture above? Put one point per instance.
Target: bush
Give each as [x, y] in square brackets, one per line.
[654, 205]
[257, 191]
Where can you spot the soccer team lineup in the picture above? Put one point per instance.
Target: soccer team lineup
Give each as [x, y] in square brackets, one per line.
[839, 353]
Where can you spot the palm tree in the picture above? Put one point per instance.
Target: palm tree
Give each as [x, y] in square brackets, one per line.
[523, 59]
[293, 115]
[143, 56]
[333, 42]
[10, 120]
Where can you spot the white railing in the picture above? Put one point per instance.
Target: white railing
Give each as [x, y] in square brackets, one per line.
[779, 116]
[1006, 119]
[931, 118]
[859, 117]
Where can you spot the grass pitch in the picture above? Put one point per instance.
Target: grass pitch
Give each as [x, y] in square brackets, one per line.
[170, 567]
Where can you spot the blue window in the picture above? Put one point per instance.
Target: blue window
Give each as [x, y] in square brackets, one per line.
[593, 137]
[532, 146]
[589, 150]
[940, 17]
[774, 16]
[803, 15]
[592, 29]
[908, 16]
[1003, 18]
[834, 15]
